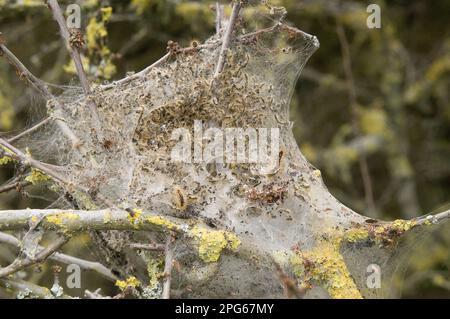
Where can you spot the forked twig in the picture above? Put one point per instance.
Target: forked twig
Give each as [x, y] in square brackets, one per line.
[42, 88]
[20, 264]
[15, 184]
[65, 259]
[21, 157]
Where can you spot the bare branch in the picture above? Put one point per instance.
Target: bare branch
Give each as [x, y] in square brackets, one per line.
[227, 37]
[76, 57]
[14, 184]
[168, 265]
[18, 155]
[242, 38]
[42, 88]
[219, 17]
[193, 231]
[65, 259]
[139, 74]
[74, 51]
[20, 264]
[97, 295]
[23, 72]
[152, 247]
[30, 130]
[77, 220]
[433, 219]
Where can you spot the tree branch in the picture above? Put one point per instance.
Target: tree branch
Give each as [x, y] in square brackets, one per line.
[227, 37]
[30, 130]
[433, 219]
[65, 259]
[76, 57]
[154, 247]
[219, 17]
[77, 220]
[40, 87]
[74, 52]
[18, 155]
[168, 265]
[14, 184]
[20, 264]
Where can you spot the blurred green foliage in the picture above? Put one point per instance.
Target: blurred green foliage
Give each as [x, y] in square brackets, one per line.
[401, 76]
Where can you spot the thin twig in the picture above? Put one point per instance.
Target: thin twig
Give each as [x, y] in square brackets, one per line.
[74, 51]
[219, 17]
[65, 259]
[168, 265]
[49, 170]
[15, 184]
[23, 72]
[30, 130]
[20, 264]
[152, 247]
[243, 38]
[137, 75]
[227, 37]
[289, 285]
[364, 167]
[433, 219]
[41, 87]
[18, 155]
[76, 57]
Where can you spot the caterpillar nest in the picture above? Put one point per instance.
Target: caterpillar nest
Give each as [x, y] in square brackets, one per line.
[238, 218]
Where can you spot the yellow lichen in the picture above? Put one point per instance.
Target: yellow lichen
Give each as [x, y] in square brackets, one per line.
[85, 201]
[7, 150]
[356, 234]
[60, 219]
[5, 160]
[211, 243]
[154, 271]
[36, 177]
[324, 264]
[163, 222]
[131, 282]
[133, 218]
[99, 54]
[403, 225]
